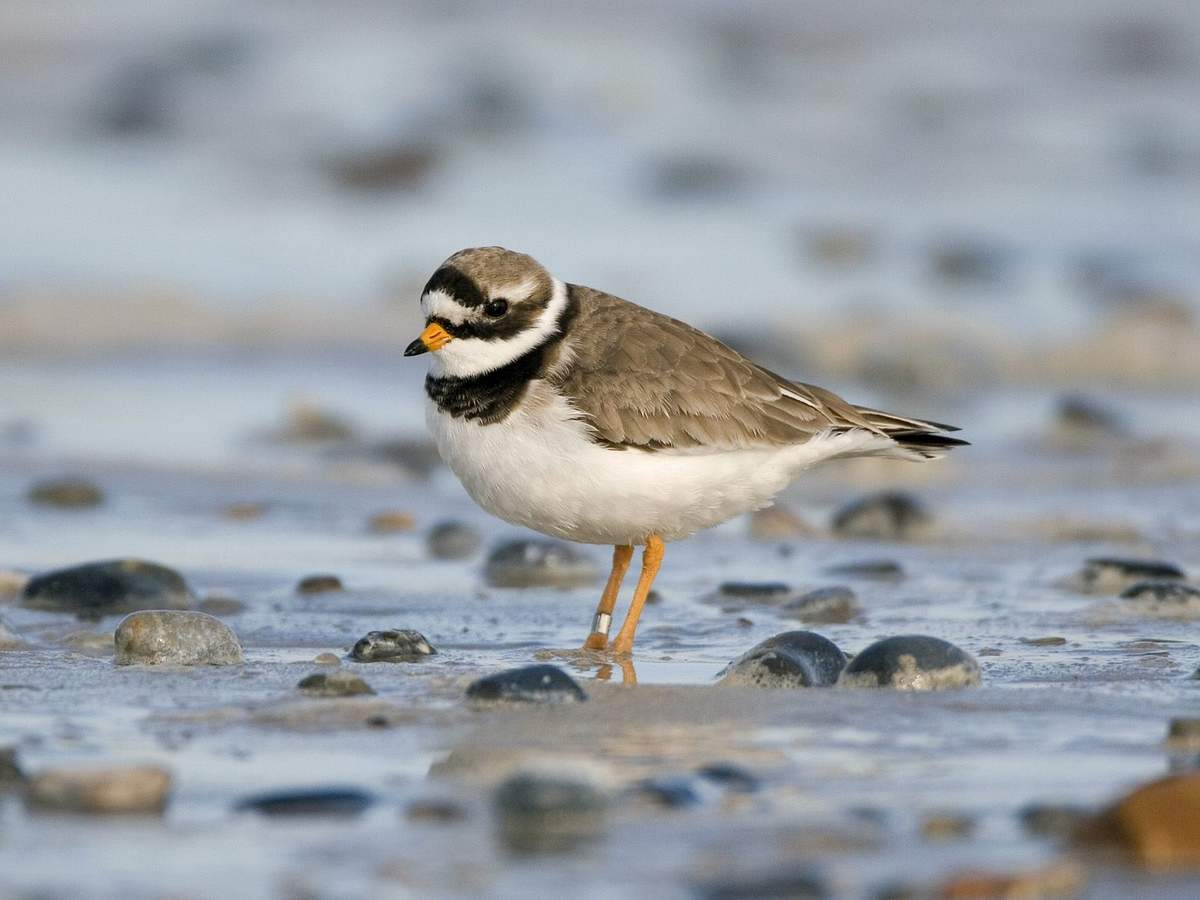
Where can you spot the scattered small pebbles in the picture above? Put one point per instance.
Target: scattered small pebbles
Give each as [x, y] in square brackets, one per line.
[66, 493]
[788, 660]
[175, 638]
[886, 516]
[139, 790]
[1112, 575]
[453, 540]
[912, 662]
[108, 587]
[539, 563]
[319, 584]
[335, 802]
[833, 605]
[395, 645]
[333, 684]
[530, 684]
[542, 813]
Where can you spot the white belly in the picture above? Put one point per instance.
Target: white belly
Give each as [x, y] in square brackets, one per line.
[538, 469]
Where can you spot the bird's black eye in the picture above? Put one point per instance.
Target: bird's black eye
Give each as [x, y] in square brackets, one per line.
[496, 308]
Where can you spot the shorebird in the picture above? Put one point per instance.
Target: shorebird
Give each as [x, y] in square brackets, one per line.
[589, 418]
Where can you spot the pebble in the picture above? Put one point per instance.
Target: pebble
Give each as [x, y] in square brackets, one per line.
[1111, 575]
[840, 246]
[874, 569]
[531, 684]
[10, 769]
[453, 540]
[1081, 423]
[333, 684]
[1052, 641]
[401, 644]
[946, 827]
[390, 522]
[319, 584]
[1184, 734]
[834, 605]
[220, 605]
[66, 493]
[335, 802]
[539, 563]
[12, 582]
[175, 638]
[9, 639]
[307, 423]
[964, 262]
[767, 592]
[887, 516]
[776, 523]
[539, 813]
[673, 792]
[327, 659]
[1162, 592]
[245, 511]
[912, 662]
[1051, 820]
[788, 660]
[730, 776]
[440, 811]
[120, 790]
[108, 587]
[1157, 824]
[1063, 880]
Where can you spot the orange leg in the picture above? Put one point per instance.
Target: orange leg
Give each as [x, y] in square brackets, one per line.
[598, 639]
[652, 558]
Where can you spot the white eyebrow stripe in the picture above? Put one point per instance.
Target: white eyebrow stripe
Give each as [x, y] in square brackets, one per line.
[517, 291]
[440, 304]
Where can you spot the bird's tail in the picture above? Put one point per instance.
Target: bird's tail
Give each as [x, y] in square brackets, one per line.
[915, 439]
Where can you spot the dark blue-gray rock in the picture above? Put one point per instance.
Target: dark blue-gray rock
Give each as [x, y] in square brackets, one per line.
[1162, 592]
[396, 645]
[912, 662]
[530, 684]
[453, 540]
[834, 605]
[668, 792]
[544, 813]
[1111, 575]
[788, 660]
[1081, 423]
[107, 588]
[11, 775]
[871, 569]
[333, 684]
[66, 493]
[887, 516]
[802, 883]
[171, 637]
[730, 776]
[539, 563]
[767, 592]
[319, 584]
[336, 802]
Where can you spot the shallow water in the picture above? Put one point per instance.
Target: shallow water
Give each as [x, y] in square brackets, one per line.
[1075, 721]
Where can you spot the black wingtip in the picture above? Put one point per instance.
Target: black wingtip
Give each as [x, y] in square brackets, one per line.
[926, 439]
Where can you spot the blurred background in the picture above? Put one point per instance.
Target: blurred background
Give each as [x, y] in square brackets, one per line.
[216, 212]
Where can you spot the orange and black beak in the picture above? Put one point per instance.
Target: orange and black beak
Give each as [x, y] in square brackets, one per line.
[434, 337]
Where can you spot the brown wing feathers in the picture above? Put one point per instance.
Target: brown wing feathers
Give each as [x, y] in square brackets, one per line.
[645, 380]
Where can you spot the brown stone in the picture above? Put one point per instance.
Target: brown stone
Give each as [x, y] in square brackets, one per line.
[390, 522]
[134, 789]
[1157, 823]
